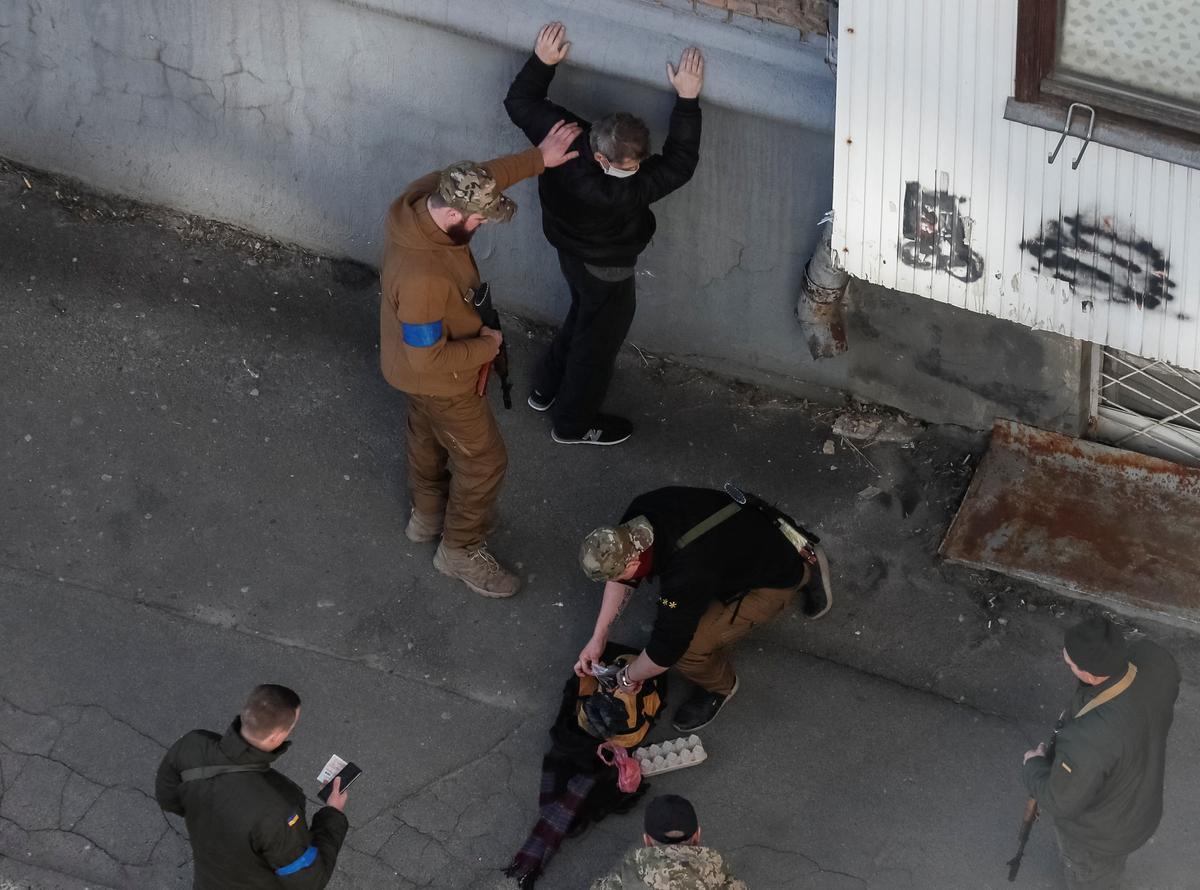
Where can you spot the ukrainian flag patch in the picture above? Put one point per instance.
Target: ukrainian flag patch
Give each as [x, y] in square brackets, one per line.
[292, 821]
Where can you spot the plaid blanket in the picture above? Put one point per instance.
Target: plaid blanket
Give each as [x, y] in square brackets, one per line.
[560, 803]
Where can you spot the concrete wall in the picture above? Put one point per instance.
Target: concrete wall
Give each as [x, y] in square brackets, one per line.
[301, 119]
[947, 364]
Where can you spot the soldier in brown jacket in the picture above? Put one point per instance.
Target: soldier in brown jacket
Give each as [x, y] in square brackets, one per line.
[434, 347]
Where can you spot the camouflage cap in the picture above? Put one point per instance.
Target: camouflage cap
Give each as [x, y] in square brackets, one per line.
[606, 551]
[470, 188]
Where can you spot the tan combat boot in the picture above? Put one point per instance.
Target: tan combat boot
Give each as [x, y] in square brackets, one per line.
[422, 529]
[476, 568]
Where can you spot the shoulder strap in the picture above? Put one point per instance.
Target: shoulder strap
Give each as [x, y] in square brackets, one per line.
[707, 525]
[207, 772]
[1111, 692]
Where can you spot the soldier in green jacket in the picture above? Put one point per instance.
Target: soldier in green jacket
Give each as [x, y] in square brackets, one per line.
[1104, 785]
[245, 821]
[671, 858]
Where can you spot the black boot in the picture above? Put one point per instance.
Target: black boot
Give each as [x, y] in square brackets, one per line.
[701, 709]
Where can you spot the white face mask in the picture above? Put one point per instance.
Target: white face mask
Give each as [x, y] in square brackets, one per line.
[619, 173]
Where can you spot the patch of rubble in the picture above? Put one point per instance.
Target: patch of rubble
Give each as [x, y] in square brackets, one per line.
[859, 425]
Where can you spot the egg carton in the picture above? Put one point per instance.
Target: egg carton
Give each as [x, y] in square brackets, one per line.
[666, 757]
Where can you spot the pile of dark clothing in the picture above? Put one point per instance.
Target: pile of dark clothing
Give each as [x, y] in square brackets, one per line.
[577, 787]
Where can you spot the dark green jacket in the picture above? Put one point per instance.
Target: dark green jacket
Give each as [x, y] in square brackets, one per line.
[1105, 786]
[247, 829]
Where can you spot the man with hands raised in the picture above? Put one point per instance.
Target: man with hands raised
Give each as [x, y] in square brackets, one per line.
[596, 214]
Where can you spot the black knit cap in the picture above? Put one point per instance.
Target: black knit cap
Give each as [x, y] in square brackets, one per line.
[1097, 646]
[671, 819]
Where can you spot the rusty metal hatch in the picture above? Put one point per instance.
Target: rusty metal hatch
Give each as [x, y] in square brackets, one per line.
[1085, 519]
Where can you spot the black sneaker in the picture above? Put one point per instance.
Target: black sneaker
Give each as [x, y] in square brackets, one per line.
[539, 402]
[701, 709]
[609, 430]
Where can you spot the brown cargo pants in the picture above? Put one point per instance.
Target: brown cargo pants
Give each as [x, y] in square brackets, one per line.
[456, 464]
[706, 662]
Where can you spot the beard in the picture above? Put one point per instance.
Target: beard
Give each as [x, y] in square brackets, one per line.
[459, 234]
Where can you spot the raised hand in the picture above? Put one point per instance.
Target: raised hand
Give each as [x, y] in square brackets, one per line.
[688, 78]
[552, 46]
[558, 140]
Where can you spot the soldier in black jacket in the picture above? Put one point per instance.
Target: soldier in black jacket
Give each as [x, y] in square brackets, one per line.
[1104, 787]
[596, 213]
[245, 821]
[723, 570]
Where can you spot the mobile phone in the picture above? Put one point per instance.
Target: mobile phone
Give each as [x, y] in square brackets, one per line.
[347, 774]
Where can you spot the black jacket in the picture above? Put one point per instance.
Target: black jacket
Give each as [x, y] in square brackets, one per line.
[245, 827]
[1105, 786]
[745, 551]
[601, 219]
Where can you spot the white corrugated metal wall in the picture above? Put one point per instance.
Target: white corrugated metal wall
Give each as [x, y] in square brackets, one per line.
[921, 89]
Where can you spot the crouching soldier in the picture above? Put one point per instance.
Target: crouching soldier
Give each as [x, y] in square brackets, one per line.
[671, 855]
[723, 568]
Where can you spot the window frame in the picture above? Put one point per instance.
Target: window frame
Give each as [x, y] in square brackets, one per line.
[1036, 82]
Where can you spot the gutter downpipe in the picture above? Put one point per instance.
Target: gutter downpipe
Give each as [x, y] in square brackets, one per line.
[819, 308]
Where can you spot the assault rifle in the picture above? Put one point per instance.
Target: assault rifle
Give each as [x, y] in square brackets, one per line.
[1027, 820]
[1031, 809]
[482, 301]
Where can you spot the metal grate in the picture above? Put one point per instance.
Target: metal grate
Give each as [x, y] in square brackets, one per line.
[1148, 406]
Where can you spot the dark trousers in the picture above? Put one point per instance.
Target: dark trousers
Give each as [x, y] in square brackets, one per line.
[577, 367]
[1087, 870]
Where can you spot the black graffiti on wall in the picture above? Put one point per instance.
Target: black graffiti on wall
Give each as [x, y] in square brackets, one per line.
[937, 233]
[1099, 261]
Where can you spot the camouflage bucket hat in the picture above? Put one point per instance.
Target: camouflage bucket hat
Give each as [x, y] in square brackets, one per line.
[607, 550]
[470, 188]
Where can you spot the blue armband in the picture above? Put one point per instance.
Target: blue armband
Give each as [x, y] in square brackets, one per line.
[422, 335]
[307, 858]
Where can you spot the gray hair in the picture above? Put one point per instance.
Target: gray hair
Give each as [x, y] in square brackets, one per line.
[620, 137]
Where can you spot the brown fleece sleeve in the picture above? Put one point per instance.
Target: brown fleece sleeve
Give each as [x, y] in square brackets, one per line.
[511, 169]
[420, 304]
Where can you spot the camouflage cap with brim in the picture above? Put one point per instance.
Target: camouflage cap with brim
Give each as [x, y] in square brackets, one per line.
[470, 188]
[606, 551]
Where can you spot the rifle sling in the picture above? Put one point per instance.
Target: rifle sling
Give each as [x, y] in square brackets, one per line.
[1111, 692]
[707, 525]
[207, 772]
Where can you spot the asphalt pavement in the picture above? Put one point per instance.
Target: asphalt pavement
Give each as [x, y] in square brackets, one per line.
[202, 489]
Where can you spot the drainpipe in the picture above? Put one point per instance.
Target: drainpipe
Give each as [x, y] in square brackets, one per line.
[819, 309]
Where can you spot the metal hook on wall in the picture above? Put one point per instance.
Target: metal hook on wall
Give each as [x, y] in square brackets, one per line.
[1067, 129]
